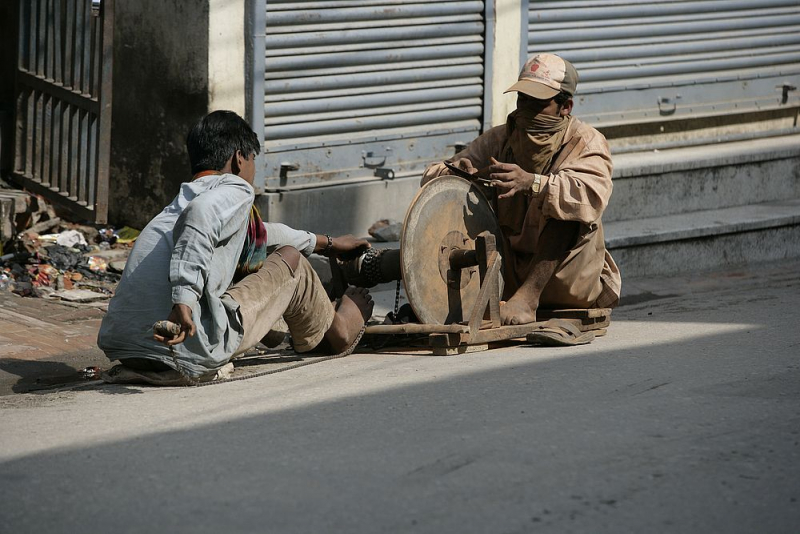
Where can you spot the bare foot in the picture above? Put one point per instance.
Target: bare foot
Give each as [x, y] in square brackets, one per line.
[353, 311]
[516, 311]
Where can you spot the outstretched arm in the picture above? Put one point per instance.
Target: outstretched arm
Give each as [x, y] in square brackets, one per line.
[279, 235]
[345, 247]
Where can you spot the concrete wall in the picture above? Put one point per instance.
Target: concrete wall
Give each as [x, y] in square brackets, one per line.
[174, 61]
[226, 56]
[507, 50]
[8, 66]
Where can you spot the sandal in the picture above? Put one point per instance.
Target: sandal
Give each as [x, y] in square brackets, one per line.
[559, 332]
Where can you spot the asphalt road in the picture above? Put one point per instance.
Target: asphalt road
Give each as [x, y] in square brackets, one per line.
[685, 418]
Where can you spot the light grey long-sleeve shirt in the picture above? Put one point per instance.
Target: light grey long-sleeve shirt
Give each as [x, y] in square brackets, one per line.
[187, 255]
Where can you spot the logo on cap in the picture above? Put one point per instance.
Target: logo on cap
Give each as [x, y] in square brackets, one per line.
[546, 69]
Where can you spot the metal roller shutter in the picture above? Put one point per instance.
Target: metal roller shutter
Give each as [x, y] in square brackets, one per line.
[355, 89]
[673, 59]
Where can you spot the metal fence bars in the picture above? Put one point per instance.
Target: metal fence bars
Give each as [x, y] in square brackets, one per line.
[63, 97]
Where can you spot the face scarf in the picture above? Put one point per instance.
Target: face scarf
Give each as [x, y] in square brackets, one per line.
[534, 139]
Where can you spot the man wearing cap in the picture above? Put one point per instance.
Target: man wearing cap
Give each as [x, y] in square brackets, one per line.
[552, 174]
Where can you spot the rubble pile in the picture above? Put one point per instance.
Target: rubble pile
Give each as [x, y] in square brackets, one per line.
[42, 255]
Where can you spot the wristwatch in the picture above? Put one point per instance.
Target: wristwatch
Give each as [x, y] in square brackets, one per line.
[537, 184]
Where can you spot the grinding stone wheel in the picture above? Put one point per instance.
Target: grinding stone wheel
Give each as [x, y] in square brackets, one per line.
[448, 212]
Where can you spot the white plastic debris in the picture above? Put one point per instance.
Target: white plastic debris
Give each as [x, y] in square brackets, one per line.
[70, 238]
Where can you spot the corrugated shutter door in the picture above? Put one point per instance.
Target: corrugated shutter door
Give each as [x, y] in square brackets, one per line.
[646, 61]
[355, 88]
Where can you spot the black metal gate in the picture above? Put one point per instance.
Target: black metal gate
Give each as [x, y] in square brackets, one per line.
[63, 96]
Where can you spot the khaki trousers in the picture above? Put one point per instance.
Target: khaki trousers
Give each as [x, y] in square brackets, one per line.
[274, 292]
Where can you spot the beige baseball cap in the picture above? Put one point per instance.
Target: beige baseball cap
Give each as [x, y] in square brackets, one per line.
[546, 75]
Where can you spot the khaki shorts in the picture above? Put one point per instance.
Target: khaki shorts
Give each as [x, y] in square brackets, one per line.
[274, 292]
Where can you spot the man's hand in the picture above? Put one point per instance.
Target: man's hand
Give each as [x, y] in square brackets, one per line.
[511, 178]
[348, 247]
[465, 165]
[181, 315]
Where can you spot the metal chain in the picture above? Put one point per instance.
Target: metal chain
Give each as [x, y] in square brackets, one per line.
[397, 300]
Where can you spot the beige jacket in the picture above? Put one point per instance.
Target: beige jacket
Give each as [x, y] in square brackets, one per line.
[578, 188]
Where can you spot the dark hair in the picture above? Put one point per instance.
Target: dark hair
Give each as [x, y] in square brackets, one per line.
[216, 138]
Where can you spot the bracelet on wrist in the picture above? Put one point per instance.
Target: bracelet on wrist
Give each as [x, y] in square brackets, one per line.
[328, 247]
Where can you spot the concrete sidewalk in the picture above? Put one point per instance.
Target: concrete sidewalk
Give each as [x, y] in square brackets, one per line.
[685, 418]
[45, 342]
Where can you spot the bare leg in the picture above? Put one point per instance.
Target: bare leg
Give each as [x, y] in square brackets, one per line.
[555, 241]
[353, 311]
[372, 268]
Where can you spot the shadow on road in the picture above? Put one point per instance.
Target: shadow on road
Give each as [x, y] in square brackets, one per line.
[693, 436]
[38, 374]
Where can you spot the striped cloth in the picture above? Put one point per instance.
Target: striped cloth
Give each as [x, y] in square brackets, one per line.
[254, 251]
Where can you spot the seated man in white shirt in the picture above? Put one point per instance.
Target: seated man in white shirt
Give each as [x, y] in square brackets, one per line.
[209, 264]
